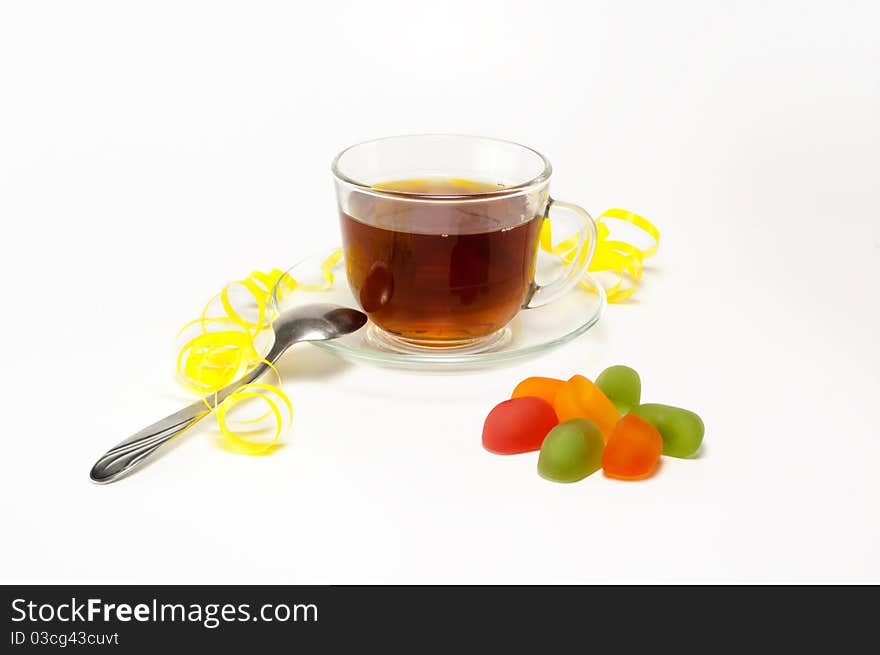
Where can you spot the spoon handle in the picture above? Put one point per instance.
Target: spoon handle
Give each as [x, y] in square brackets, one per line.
[134, 451]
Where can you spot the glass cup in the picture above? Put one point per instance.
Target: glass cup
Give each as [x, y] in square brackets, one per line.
[441, 236]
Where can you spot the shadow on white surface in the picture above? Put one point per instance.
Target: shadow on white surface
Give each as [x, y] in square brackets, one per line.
[305, 362]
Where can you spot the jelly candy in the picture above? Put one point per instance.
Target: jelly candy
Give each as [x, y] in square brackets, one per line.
[622, 386]
[633, 451]
[571, 451]
[580, 398]
[518, 425]
[682, 431]
[545, 388]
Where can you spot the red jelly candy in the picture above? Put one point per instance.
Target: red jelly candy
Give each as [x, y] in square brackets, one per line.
[518, 425]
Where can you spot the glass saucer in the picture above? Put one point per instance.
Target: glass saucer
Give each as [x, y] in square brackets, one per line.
[531, 332]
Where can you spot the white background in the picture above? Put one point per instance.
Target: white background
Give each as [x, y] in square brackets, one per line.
[151, 152]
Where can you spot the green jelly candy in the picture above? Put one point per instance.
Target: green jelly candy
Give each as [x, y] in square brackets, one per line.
[682, 430]
[622, 386]
[571, 451]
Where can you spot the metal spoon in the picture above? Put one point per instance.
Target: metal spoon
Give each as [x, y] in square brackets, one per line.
[306, 323]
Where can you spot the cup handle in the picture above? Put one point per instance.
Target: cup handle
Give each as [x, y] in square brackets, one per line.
[586, 244]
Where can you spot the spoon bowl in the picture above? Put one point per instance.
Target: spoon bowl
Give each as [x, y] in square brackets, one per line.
[316, 322]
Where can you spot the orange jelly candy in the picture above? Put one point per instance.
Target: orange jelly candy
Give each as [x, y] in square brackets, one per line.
[633, 451]
[580, 398]
[545, 388]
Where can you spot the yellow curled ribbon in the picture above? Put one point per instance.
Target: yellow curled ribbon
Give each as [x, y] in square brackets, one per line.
[237, 441]
[326, 272]
[220, 346]
[622, 259]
